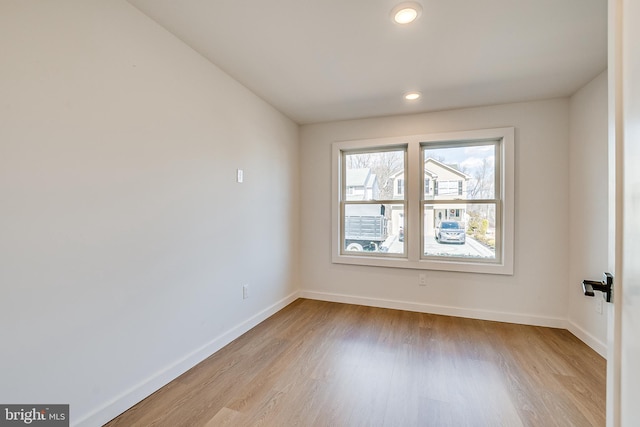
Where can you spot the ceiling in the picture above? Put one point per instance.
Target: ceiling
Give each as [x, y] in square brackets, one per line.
[326, 60]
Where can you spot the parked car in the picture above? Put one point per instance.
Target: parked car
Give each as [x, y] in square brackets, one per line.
[450, 232]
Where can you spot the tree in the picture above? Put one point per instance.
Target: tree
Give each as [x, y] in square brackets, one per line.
[482, 182]
[383, 164]
[388, 163]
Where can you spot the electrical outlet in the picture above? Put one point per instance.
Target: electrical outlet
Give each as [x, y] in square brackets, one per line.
[422, 279]
[245, 291]
[599, 304]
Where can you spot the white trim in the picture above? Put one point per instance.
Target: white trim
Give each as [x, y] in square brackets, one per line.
[137, 393]
[128, 398]
[496, 316]
[584, 336]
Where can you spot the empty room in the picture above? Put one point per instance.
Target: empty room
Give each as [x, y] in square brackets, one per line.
[313, 213]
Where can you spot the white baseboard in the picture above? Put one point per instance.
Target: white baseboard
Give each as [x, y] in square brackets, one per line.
[584, 336]
[142, 390]
[523, 319]
[137, 393]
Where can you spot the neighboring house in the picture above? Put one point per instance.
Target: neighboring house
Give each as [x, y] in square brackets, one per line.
[441, 182]
[362, 184]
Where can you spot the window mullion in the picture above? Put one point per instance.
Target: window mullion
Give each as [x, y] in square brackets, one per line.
[413, 234]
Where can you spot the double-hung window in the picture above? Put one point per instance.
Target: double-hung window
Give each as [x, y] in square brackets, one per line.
[440, 201]
[371, 218]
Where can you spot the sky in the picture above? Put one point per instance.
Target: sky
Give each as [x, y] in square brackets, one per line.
[468, 159]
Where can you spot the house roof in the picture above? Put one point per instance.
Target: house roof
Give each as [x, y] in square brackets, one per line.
[430, 173]
[445, 166]
[434, 174]
[360, 177]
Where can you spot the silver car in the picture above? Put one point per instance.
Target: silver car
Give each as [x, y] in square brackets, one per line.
[450, 232]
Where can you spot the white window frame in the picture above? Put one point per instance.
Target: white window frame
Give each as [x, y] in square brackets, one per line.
[375, 202]
[413, 177]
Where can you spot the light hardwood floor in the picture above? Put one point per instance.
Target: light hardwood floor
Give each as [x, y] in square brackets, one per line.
[327, 364]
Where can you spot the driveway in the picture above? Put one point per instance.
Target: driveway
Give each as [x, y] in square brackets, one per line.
[470, 249]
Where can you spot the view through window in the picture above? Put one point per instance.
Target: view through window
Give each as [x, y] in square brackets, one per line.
[461, 213]
[374, 202]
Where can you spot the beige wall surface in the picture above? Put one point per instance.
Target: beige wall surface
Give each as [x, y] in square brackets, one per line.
[537, 293]
[124, 238]
[588, 207]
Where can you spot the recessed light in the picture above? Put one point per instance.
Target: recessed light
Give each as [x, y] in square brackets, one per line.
[404, 13]
[412, 96]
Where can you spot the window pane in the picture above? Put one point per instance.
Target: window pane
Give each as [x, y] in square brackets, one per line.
[377, 175]
[460, 172]
[374, 228]
[460, 230]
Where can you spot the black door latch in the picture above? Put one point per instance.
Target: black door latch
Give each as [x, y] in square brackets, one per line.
[606, 286]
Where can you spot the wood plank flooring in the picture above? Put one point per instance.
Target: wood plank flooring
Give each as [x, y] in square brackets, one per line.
[327, 364]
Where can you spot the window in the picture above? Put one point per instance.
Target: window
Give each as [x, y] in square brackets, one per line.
[460, 221]
[371, 222]
[442, 202]
[400, 187]
[448, 188]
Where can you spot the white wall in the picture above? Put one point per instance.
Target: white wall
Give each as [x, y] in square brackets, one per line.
[537, 293]
[124, 239]
[588, 208]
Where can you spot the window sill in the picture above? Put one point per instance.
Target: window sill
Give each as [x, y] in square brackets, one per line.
[463, 266]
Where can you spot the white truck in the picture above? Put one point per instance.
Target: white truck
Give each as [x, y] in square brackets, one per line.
[365, 228]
